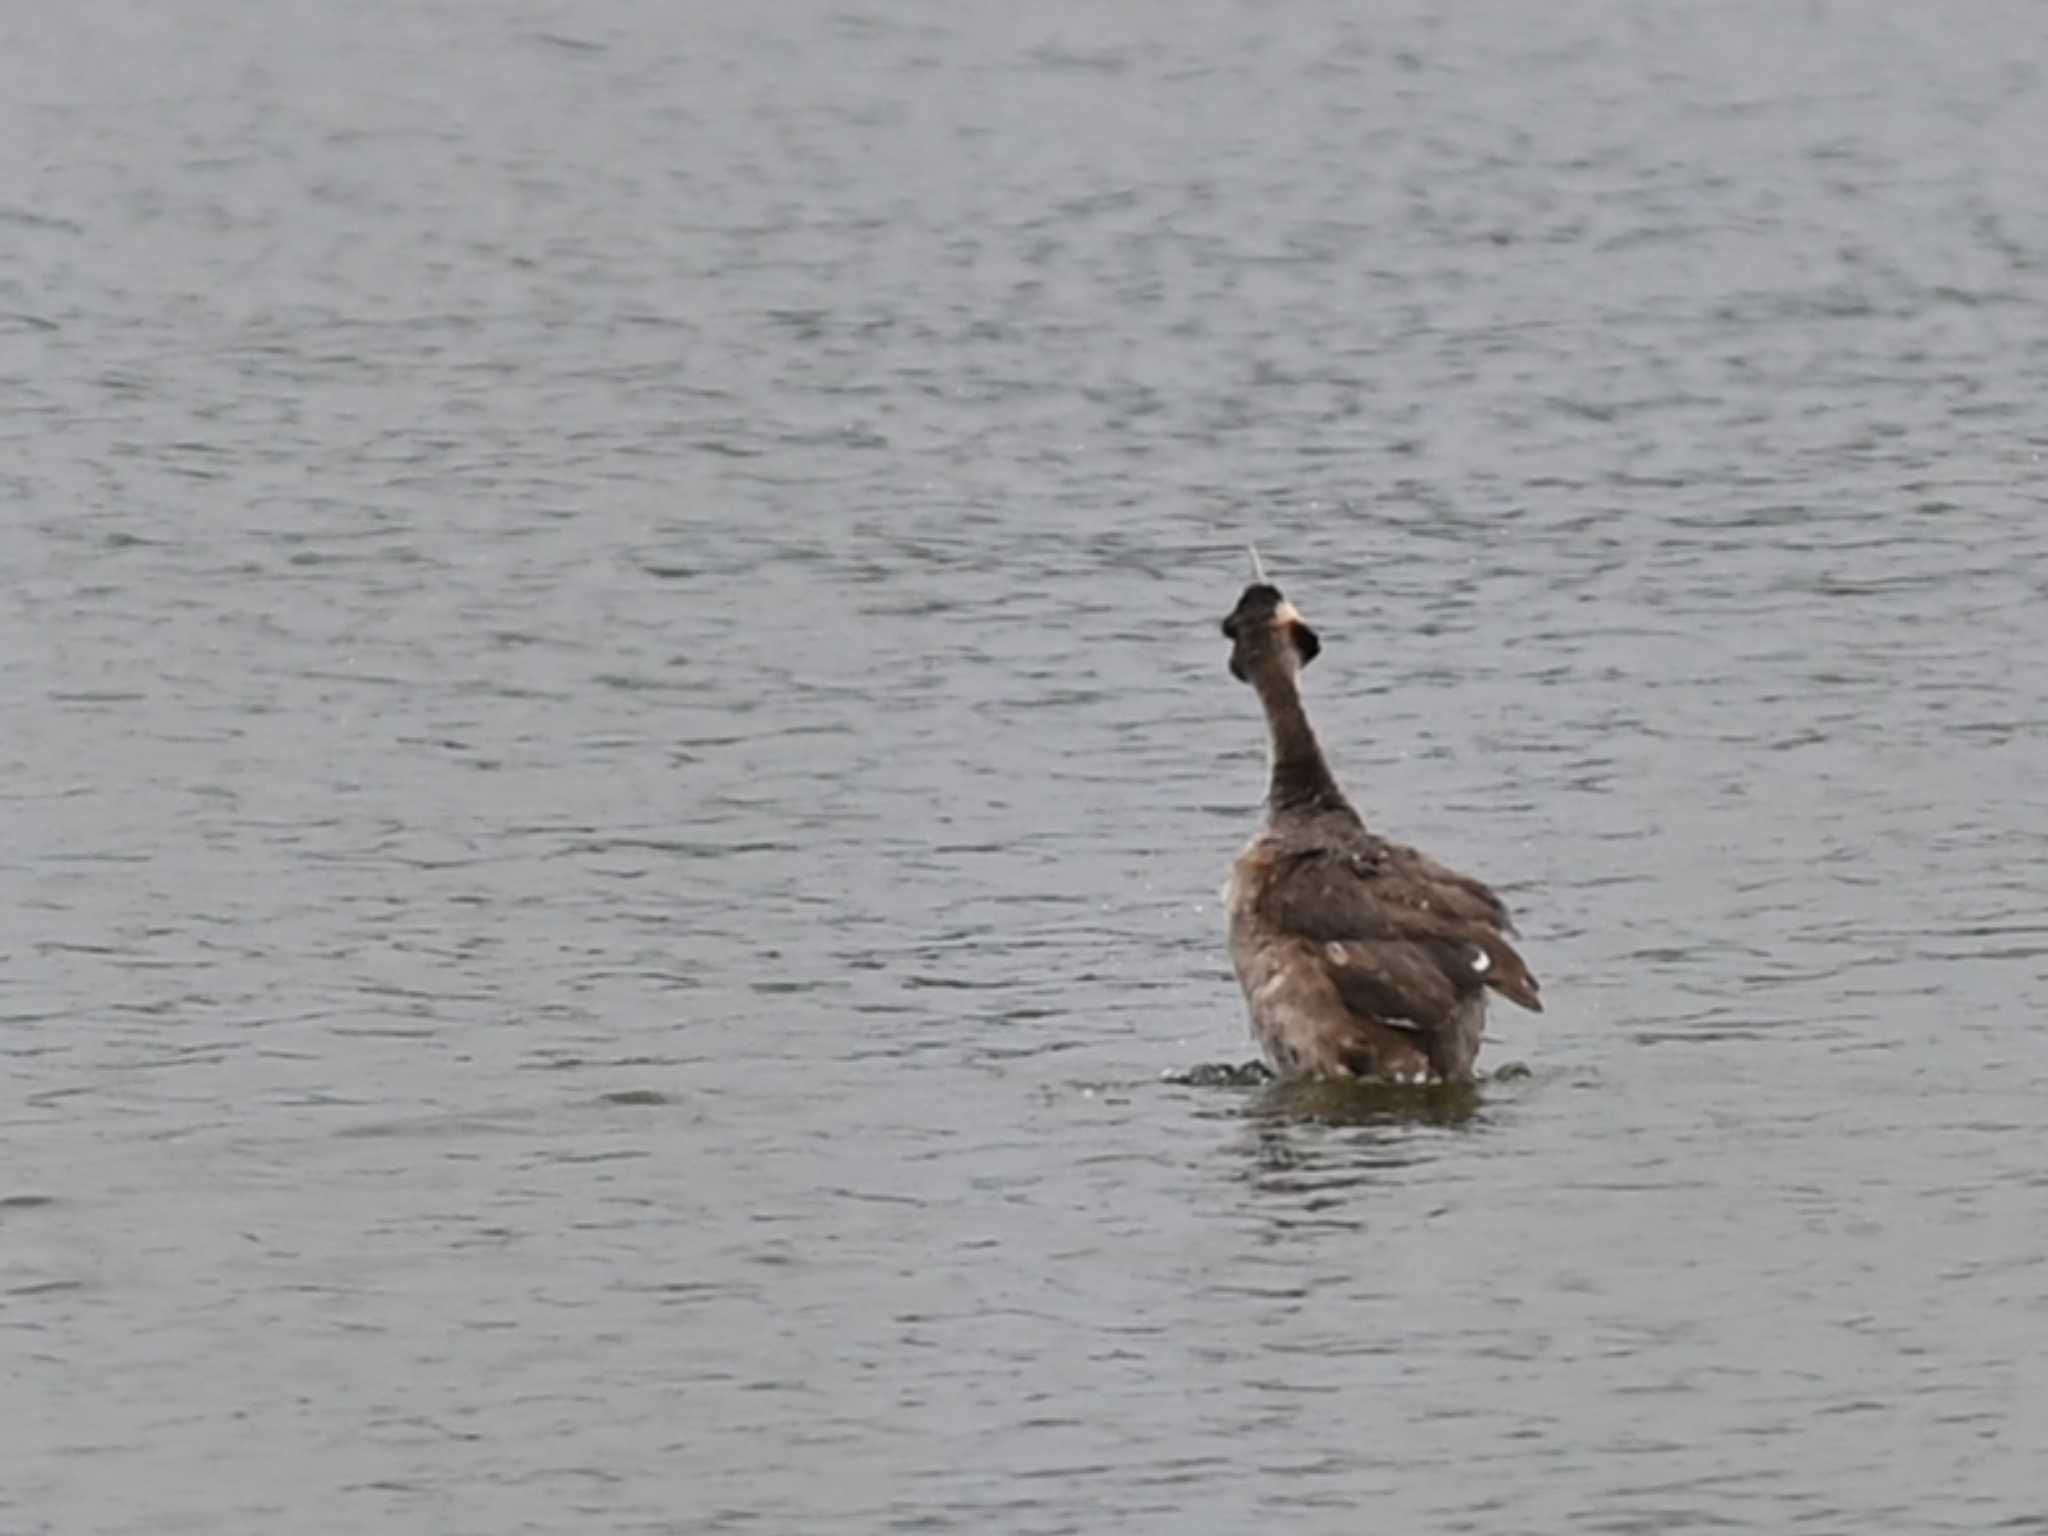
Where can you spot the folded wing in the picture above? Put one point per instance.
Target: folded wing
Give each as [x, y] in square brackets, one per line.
[1403, 937]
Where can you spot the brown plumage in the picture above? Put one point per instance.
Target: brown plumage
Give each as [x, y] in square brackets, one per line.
[1358, 957]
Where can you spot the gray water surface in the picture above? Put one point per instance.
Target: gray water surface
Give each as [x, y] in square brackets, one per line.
[616, 764]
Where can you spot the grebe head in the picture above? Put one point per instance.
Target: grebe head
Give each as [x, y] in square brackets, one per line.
[1267, 630]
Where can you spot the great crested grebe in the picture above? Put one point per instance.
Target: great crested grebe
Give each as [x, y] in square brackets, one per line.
[1358, 957]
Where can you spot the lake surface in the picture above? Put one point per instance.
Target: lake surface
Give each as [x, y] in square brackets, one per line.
[617, 764]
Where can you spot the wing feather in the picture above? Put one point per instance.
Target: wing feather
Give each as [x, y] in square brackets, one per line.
[1403, 936]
